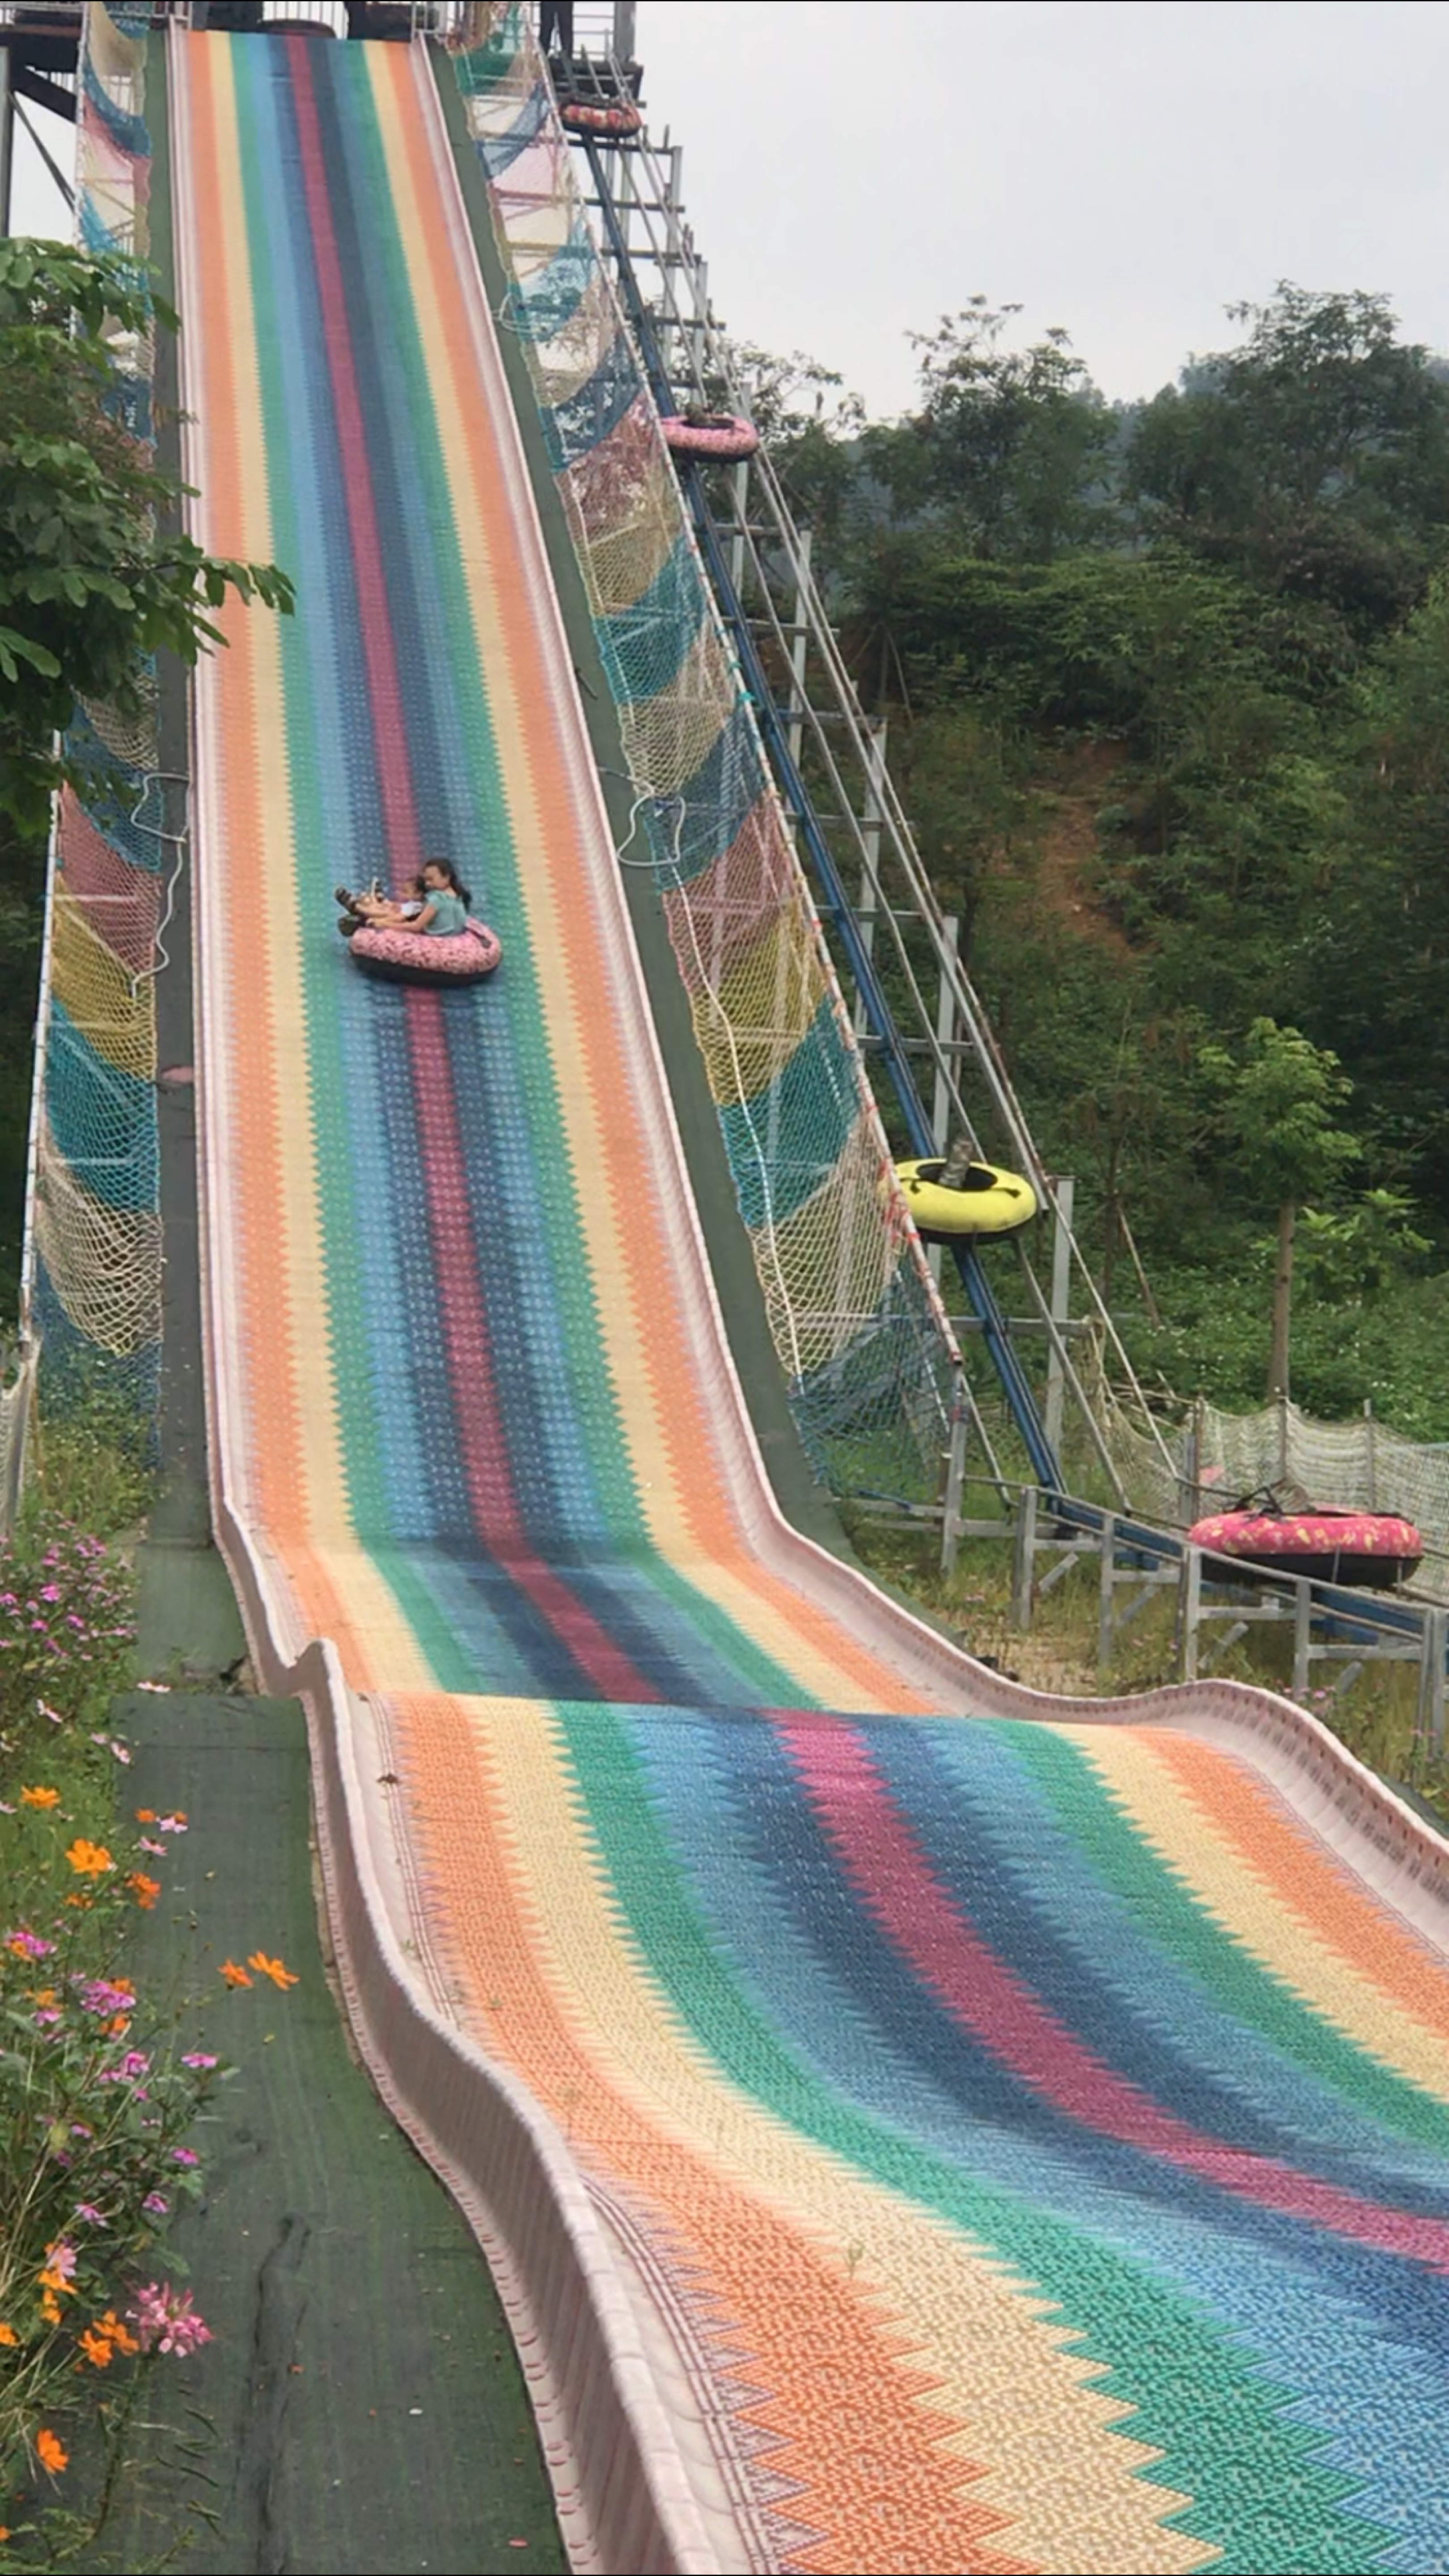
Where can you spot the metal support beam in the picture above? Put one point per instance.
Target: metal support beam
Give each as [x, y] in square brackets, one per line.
[7, 140]
[1108, 1573]
[1023, 1554]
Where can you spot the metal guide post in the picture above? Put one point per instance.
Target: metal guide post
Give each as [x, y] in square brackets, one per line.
[870, 821]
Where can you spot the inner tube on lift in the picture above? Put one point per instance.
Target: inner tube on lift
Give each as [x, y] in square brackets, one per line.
[1374, 1550]
[412, 957]
[721, 434]
[612, 116]
[989, 1200]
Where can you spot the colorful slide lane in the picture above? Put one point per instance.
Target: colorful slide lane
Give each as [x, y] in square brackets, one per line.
[907, 2143]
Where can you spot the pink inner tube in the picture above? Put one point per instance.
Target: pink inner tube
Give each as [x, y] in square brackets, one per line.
[412, 957]
[1354, 1547]
[599, 116]
[730, 438]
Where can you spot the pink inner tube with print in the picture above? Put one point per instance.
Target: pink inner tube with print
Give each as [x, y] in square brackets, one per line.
[600, 116]
[726, 435]
[413, 957]
[1375, 1549]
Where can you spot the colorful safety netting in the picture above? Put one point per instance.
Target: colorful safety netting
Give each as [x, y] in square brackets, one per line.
[93, 1273]
[856, 1320]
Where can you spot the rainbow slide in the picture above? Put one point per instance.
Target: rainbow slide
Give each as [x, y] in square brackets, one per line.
[915, 2124]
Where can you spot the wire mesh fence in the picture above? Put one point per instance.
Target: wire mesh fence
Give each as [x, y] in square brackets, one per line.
[91, 1291]
[856, 1320]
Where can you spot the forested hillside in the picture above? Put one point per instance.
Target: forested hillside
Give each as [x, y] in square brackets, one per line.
[1168, 698]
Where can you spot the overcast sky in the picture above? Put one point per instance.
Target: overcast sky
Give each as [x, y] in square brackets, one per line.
[1122, 167]
[1126, 168]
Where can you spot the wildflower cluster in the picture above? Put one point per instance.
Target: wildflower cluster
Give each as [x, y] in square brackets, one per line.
[66, 1631]
[98, 2098]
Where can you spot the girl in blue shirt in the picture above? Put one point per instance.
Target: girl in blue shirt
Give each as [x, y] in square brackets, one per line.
[440, 914]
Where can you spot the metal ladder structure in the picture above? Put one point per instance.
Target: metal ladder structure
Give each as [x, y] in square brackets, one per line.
[896, 948]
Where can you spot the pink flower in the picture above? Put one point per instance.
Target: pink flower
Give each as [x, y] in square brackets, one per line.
[173, 1824]
[199, 2057]
[100, 1996]
[156, 2204]
[93, 2217]
[61, 2259]
[147, 1845]
[50, 1592]
[165, 2320]
[184, 2156]
[27, 1945]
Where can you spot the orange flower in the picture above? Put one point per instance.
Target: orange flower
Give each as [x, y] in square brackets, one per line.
[8, 2335]
[118, 2028]
[145, 1890]
[145, 1815]
[120, 2335]
[89, 1860]
[56, 2282]
[50, 2307]
[234, 1975]
[40, 1797]
[96, 2348]
[272, 1968]
[53, 2454]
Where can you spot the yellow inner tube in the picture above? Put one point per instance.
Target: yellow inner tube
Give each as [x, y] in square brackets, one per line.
[990, 1201]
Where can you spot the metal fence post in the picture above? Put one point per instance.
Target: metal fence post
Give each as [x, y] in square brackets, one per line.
[1065, 1195]
[1104, 1593]
[1435, 1647]
[1191, 1609]
[955, 1478]
[1023, 1556]
[1302, 1635]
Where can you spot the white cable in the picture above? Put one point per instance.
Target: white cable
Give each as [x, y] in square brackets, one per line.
[154, 778]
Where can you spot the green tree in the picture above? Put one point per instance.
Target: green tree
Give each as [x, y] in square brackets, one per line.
[1276, 1105]
[1380, 952]
[1012, 442]
[95, 573]
[1315, 456]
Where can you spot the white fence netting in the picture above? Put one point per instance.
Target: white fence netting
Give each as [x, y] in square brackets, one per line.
[1354, 1466]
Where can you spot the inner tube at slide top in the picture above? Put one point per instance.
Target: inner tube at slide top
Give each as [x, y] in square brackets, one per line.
[989, 1200]
[600, 116]
[1373, 1549]
[413, 957]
